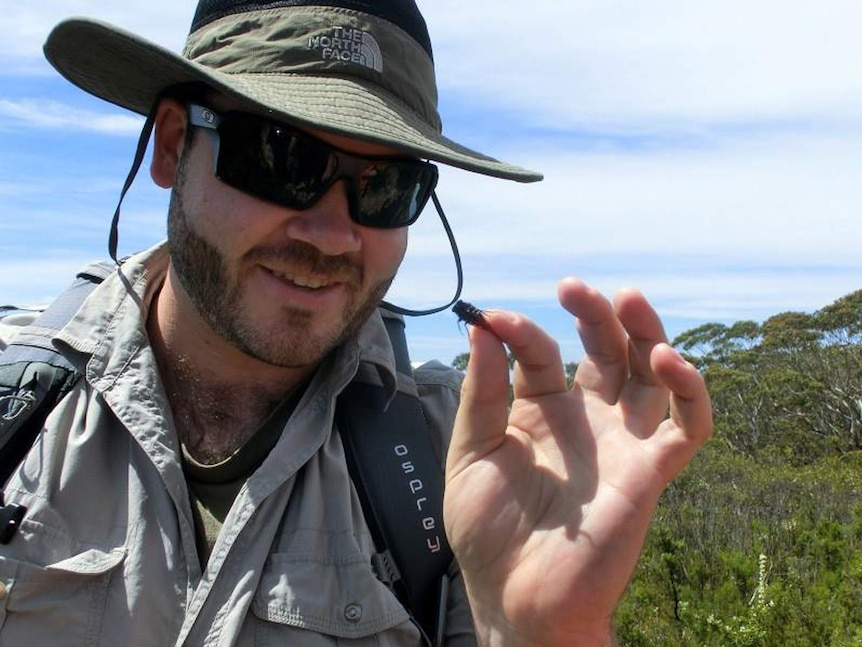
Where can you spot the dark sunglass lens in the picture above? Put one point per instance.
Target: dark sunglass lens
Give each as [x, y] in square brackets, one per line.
[393, 194]
[302, 167]
[272, 162]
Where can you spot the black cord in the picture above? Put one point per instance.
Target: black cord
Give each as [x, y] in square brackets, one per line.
[458, 269]
[143, 140]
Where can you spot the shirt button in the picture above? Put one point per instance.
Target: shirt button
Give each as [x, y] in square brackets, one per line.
[353, 613]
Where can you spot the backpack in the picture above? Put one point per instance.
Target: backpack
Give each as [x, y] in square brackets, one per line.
[395, 465]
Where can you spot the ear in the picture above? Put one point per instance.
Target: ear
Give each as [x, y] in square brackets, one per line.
[170, 135]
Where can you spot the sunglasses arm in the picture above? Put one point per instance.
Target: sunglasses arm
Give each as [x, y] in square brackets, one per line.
[209, 121]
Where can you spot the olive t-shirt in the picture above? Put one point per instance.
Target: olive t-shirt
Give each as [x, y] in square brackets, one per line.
[213, 488]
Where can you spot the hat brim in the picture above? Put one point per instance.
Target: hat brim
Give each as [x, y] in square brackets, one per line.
[129, 71]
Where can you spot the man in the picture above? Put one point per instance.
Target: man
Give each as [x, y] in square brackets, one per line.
[190, 491]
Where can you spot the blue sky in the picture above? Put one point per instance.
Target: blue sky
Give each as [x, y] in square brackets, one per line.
[707, 153]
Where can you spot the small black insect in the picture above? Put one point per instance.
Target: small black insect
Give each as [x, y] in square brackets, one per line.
[470, 314]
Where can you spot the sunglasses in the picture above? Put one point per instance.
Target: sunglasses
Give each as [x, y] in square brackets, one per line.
[276, 163]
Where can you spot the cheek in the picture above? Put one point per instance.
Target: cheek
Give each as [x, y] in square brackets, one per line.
[387, 250]
[211, 205]
[224, 216]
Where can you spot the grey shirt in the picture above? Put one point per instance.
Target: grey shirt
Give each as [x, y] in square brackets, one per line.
[107, 553]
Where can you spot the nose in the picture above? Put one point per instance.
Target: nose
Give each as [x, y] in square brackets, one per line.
[327, 224]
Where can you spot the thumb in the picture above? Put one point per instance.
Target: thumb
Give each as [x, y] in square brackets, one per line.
[480, 424]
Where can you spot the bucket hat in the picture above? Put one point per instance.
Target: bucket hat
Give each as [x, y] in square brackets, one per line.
[358, 68]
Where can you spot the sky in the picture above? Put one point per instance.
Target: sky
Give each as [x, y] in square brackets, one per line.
[707, 153]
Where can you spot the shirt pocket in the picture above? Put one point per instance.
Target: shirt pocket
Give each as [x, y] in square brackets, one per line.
[58, 604]
[303, 600]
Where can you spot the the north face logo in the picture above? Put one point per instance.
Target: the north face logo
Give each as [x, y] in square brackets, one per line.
[349, 46]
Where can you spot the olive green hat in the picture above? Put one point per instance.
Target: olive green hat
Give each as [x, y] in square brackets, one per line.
[359, 68]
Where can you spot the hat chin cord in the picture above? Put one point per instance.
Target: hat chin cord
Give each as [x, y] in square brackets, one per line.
[113, 237]
[146, 131]
[458, 270]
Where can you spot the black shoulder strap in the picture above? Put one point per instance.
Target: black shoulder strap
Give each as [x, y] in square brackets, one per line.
[400, 484]
[33, 378]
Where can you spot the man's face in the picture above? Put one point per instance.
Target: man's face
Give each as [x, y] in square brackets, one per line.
[281, 285]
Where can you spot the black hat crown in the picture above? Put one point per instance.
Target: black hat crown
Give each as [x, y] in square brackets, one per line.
[403, 13]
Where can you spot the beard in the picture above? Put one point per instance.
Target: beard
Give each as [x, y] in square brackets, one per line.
[294, 339]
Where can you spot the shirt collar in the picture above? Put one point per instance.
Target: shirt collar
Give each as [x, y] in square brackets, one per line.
[373, 359]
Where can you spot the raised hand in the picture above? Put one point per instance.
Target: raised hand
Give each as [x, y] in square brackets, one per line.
[548, 503]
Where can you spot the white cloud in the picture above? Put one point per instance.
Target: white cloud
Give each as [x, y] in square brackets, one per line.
[27, 24]
[55, 115]
[770, 197]
[659, 64]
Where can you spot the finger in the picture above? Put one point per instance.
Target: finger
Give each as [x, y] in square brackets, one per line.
[538, 364]
[690, 423]
[604, 367]
[480, 423]
[644, 397]
[644, 330]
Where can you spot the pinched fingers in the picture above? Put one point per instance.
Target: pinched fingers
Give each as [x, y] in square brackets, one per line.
[482, 418]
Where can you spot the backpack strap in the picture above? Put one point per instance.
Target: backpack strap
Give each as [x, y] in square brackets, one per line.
[399, 480]
[34, 376]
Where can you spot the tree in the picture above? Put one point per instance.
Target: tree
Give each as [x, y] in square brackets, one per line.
[460, 361]
[713, 343]
[841, 321]
[570, 368]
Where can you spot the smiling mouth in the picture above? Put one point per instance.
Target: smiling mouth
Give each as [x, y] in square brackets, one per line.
[305, 281]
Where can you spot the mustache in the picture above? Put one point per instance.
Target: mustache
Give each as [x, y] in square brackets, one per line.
[302, 257]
